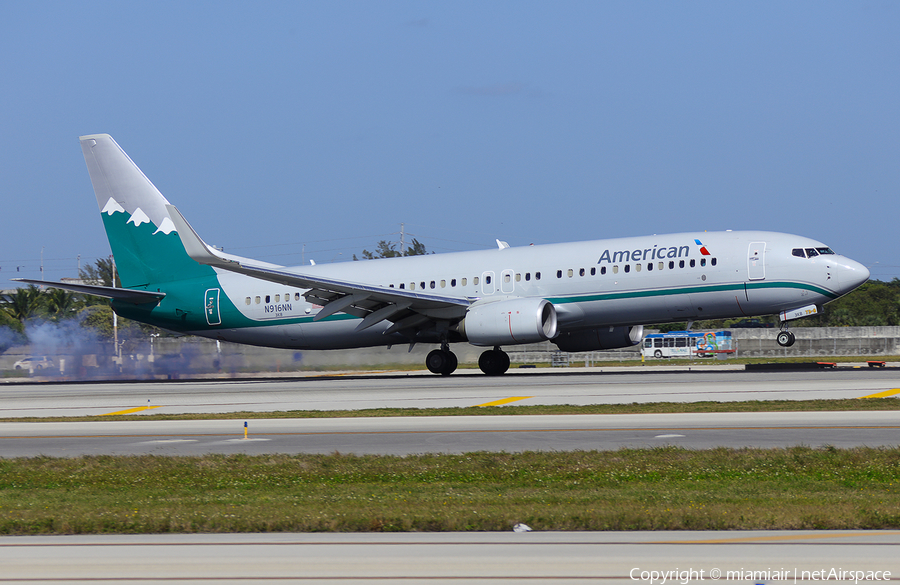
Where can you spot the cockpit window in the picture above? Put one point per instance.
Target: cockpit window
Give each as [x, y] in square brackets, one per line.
[810, 252]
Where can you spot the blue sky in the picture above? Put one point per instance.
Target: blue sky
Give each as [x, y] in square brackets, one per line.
[294, 130]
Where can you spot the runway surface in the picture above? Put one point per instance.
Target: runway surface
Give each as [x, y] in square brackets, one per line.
[656, 558]
[646, 557]
[587, 386]
[401, 436]
[451, 434]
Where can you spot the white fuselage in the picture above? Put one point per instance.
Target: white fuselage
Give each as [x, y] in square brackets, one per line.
[600, 283]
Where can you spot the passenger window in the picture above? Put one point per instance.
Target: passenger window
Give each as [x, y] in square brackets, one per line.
[402, 285]
[475, 281]
[443, 284]
[570, 272]
[452, 283]
[628, 268]
[702, 261]
[527, 276]
[518, 277]
[662, 265]
[463, 282]
[432, 284]
[412, 286]
[603, 270]
[506, 278]
[297, 295]
[559, 274]
[422, 285]
[247, 301]
[649, 265]
[581, 272]
[713, 261]
[257, 300]
[593, 270]
[672, 264]
[637, 267]
[487, 280]
[681, 264]
[537, 275]
[693, 262]
[277, 298]
[268, 299]
[615, 269]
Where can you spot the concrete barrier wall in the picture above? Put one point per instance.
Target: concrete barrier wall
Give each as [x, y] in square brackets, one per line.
[820, 341]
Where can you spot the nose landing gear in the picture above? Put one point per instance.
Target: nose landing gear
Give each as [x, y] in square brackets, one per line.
[785, 338]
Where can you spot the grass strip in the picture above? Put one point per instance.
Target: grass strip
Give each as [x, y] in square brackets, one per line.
[651, 489]
[846, 404]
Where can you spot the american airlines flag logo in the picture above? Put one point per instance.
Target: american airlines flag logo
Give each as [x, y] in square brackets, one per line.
[703, 249]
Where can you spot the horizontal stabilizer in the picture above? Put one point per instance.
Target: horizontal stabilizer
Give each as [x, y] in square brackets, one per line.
[138, 297]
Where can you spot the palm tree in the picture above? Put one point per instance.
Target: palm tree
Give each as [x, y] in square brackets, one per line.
[24, 304]
[61, 302]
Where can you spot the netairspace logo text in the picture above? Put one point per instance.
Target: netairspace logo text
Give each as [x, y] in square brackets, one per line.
[685, 576]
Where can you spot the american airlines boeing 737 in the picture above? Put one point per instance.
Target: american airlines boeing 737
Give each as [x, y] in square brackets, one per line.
[582, 296]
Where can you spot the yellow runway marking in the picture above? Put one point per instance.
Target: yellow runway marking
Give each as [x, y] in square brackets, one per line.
[884, 394]
[504, 401]
[130, 410]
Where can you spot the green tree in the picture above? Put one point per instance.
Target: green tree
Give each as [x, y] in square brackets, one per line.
[61, 303]
[386, 249]
[100, 273]
[26, 303]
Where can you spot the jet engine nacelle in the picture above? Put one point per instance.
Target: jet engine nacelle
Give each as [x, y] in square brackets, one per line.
[509, 322]
[603, 338]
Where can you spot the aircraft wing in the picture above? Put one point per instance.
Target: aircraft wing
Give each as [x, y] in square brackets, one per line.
[406, 309]
[138, 297]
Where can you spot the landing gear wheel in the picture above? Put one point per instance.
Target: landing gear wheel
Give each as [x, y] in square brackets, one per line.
[785, 339]
[452, 362]
[494, 362]
[440, 361]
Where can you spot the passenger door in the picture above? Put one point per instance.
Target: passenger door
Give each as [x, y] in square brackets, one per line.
[756, 261]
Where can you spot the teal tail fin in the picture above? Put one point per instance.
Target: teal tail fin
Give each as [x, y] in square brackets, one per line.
[141, 234]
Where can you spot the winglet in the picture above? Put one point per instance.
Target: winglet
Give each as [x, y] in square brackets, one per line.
[195, 247]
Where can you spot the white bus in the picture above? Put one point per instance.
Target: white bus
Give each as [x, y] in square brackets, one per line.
[687, 344]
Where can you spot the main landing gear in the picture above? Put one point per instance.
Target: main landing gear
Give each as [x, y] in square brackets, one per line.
[494, 362]
[441, 361]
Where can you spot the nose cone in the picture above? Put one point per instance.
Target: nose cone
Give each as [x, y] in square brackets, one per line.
[851, 274]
